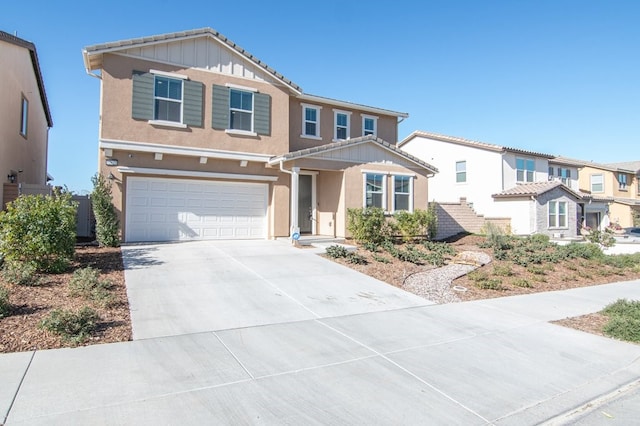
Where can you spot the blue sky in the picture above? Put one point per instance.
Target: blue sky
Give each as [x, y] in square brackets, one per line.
[555, 76]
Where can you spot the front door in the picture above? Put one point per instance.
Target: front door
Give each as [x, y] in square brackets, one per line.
[305, 206]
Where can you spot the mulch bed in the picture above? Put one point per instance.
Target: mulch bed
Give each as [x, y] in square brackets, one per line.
[20, 332]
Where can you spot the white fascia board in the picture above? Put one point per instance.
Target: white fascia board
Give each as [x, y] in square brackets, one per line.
[184, 151]
[349, 105]
[192, 173]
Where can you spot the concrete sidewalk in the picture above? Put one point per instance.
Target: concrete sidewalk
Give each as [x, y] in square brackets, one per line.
[492, 361]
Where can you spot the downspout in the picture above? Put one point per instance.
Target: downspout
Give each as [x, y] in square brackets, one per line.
[294, 197]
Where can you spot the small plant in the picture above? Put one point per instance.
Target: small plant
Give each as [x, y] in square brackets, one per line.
[521, 282]
[336, 251]
[502, 270]
[442, 248]
[380, 258]
[414, 225]
[5, 306]
[104, 212]
[86, 283]
[478, 275]
[372, 247]
[624, 320]
[369, 225]
[571, 266]
[21, 273]
[536, 270]
[490, 284]
[356, 259]
[599, 237]
[75, 327]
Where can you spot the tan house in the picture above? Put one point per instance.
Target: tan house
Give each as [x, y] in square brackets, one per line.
[202, 140]
[25, 118]
[618, 183]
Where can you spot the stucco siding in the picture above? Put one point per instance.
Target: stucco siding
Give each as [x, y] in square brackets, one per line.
[521, 212]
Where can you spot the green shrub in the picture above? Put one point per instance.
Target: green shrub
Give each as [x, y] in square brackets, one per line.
[478, 275]
[536, 270]
[336, 251]
[86, 282]
[356, 259]
[75, 327]
[490, 284]
[21, 273]
[521, 282]
[5, 306]
[380, 258]
[502, 270]
[369, 225]
[624, 307]
[580, 251]
[443, 248]
[410, 254]
[598, 237]
[372, 247]
[623, 261]
[104, 212]
[624, 320]
[432, 222]
[414, 225]
[41, 230]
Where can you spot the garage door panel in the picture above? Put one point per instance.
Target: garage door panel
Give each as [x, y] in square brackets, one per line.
[159, 209]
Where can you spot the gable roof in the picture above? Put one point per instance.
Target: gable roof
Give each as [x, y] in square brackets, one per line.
[93, 54]
[337, 146]
[36, 69]
[534, 189]
[468, 142]
[633, 166]
[626, 167]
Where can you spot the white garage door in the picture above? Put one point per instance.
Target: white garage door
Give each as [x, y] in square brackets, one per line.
[159, 209]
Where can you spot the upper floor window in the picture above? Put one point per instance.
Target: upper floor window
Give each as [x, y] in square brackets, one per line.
[524, 169]
[369, 125]
[597, 183]
[461, 171]
[240, 110]
[168, 99]
[564, 175]
[622, 181]
[341, 125]
[375, 190]
[402, 193]
[24, 116]
[557, 214]
[311, 121]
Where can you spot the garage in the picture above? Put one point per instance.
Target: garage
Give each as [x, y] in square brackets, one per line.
[163, 209]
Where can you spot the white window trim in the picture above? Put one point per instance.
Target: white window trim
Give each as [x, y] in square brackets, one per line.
[166, 122]
[557, 215]
[375, 124]
[620, 184]
[384, 188]
[304, 122]
[591, 183]
[533, 179]
[335, 124]
[465, 172]
[410, 194]
[24, 116]
[169, 74]
[253, 112]
[239, 87]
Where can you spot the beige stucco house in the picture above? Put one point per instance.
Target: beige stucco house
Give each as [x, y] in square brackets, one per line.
[202, 140]
[25, 118]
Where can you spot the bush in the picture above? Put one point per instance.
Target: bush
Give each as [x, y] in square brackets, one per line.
[86, 283]
[356, 259]
[104, 212]
[442, 248]
[521, 282]
[21, 273]
[40, 230]
[75, 327]
[579, 250]
[603, 238]
[336, 251]
[624, 322]
[490, 284]
[5, 306]
[380, 258]
[414, 225]
[502, 270]
[369, 225]
[623, 307]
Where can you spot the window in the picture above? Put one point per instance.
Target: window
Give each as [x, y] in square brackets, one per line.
[369, 125]
[240, 110]
[375, 190]
[311, 121]
[622, 181]
[524, 169]
[565, 176]
[557, 214]
[341, 130]
[24, 116]
[597, 183]
[461, 171]
[168, 99]
[402, 193]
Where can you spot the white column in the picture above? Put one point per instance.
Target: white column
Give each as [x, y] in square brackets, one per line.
[295, 173]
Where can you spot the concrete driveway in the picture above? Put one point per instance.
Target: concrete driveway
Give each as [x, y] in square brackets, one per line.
[184, 288]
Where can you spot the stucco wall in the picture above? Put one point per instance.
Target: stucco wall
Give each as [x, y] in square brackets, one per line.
[521, 212]
[17, 152]
[542, 213]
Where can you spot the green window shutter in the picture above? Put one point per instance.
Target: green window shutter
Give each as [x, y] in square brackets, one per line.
[220, 110]
[142, 99]
[192, 107]
[262, 114]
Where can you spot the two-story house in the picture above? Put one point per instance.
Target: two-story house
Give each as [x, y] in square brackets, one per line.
[537, 193]
[25, 118]
[202, 140]
[618, 183]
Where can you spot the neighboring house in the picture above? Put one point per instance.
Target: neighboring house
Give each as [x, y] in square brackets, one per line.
[619, 184]
[537, 192]
[202, 140]
[25, 119]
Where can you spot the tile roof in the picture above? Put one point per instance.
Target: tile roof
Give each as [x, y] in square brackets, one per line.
[315, 98]
[472, 143]
[36, 69]
[350, 142]
[92, 53]
[534, 189]
[626, 165]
